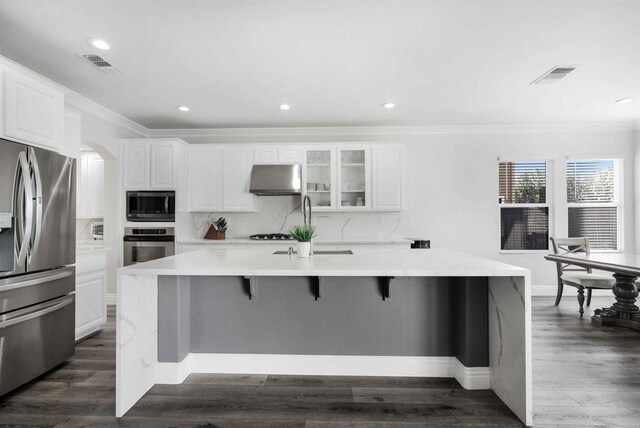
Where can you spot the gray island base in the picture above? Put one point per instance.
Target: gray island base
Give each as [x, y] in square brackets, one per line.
[429, 313]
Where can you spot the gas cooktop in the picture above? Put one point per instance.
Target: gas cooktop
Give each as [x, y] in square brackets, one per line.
[271, 237]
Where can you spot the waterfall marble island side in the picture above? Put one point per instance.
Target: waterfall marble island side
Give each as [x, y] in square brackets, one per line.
[377, 312]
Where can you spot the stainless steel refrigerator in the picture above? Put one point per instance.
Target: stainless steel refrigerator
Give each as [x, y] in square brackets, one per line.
[37, 247]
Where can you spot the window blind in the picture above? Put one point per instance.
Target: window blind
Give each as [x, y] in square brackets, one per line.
[593, 212]
[599, 224]
[523, 182]
[524, 228]
[590, 181]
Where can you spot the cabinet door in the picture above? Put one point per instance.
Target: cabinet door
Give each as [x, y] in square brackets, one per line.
[136, 165]
[91, 305]
[265, 155]
[33, 112]
[354, 178]
[163, 166]
[95, 188]
[289, 155]
[236, 168]
[82, 197]
[387, 171]
[318, 177]
[205, 178]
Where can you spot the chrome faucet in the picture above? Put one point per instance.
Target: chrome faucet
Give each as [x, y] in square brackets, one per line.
[306, 201]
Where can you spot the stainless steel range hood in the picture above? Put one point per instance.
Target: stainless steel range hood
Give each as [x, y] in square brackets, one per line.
[276, 180]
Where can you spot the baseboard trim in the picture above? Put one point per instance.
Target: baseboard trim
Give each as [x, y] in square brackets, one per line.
[112, 299]
[325, 365]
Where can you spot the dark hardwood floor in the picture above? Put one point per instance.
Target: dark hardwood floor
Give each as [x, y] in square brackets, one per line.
[583, 376]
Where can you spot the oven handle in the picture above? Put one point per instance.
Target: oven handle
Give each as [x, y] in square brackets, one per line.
[149, 238]
[52, 307]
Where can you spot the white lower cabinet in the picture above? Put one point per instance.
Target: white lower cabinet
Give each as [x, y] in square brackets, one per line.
[91, 292]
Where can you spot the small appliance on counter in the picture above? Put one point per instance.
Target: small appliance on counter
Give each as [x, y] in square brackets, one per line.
[420, 243]
[271, 237]
[97, 230]
[151, 206]
[143, 244]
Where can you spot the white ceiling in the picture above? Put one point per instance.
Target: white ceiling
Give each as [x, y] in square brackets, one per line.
[336, 62]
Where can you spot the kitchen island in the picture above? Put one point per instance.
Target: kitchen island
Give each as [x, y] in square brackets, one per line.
[376, 312]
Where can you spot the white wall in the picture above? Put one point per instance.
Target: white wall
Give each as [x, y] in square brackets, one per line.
[452, 193]
[103, 136]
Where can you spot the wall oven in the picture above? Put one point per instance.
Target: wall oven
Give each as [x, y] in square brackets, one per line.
[151, 206]
[143, 244]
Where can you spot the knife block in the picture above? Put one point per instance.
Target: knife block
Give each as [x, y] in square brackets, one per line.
[212, 233]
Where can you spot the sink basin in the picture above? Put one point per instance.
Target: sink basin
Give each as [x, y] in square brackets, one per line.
[320, 252]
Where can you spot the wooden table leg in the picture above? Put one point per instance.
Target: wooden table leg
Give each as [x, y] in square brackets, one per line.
[624, 312]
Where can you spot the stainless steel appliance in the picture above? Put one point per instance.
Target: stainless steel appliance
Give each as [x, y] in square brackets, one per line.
[97, 230]
[142, 244]
[271, 237]
[151, 205]
[37, 242]
[276, 180]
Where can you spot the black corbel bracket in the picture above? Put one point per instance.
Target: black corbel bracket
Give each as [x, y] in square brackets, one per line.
[314, 281]
[253, 286]
[385, 286]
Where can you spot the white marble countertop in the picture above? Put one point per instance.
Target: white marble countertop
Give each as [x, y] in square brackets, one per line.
[216, 261]
[292, 243]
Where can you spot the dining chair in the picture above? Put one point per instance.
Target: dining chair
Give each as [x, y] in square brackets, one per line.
[578, 277]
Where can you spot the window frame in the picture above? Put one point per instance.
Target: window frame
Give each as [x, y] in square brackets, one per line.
[618, 199]
[548, 202]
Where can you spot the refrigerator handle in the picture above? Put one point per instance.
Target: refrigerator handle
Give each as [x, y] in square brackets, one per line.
[38, 200]
[28, 213]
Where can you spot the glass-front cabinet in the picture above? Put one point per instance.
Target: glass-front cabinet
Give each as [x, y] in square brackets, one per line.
[353, 178]
[319, 173]
[338, 178]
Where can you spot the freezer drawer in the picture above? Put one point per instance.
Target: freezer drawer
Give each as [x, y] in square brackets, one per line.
[26, 290]
[34, 340]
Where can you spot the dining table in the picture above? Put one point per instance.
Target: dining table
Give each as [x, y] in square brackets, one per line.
[625, 269]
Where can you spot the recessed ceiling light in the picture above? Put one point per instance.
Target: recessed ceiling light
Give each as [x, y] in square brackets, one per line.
[284, 106]
[388, 105]
[624, 100]
[183, 108]
[99, 44]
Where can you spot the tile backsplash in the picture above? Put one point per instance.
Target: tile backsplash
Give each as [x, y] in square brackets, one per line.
[280, 213]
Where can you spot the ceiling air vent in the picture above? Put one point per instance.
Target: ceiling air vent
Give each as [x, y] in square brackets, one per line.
[100, 63]
[555, 74]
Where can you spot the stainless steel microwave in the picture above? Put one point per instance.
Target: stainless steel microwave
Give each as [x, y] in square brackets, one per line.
[148, 205]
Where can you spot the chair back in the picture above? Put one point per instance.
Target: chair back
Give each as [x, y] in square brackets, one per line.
[564, 246]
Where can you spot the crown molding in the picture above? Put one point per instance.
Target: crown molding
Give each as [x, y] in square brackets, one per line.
[366, 131]
[85, 105]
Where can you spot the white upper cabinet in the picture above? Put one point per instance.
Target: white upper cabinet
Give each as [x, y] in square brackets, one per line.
[236, 174]
[33, 112]
[219, 178]
[205, 178]
[387, 173]
[318, 177]
[163, 165]
[136, 165]
[267, 155]
[150, 164]
[90, 186]
[289, 155]
[273, 155]
[354, 172]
